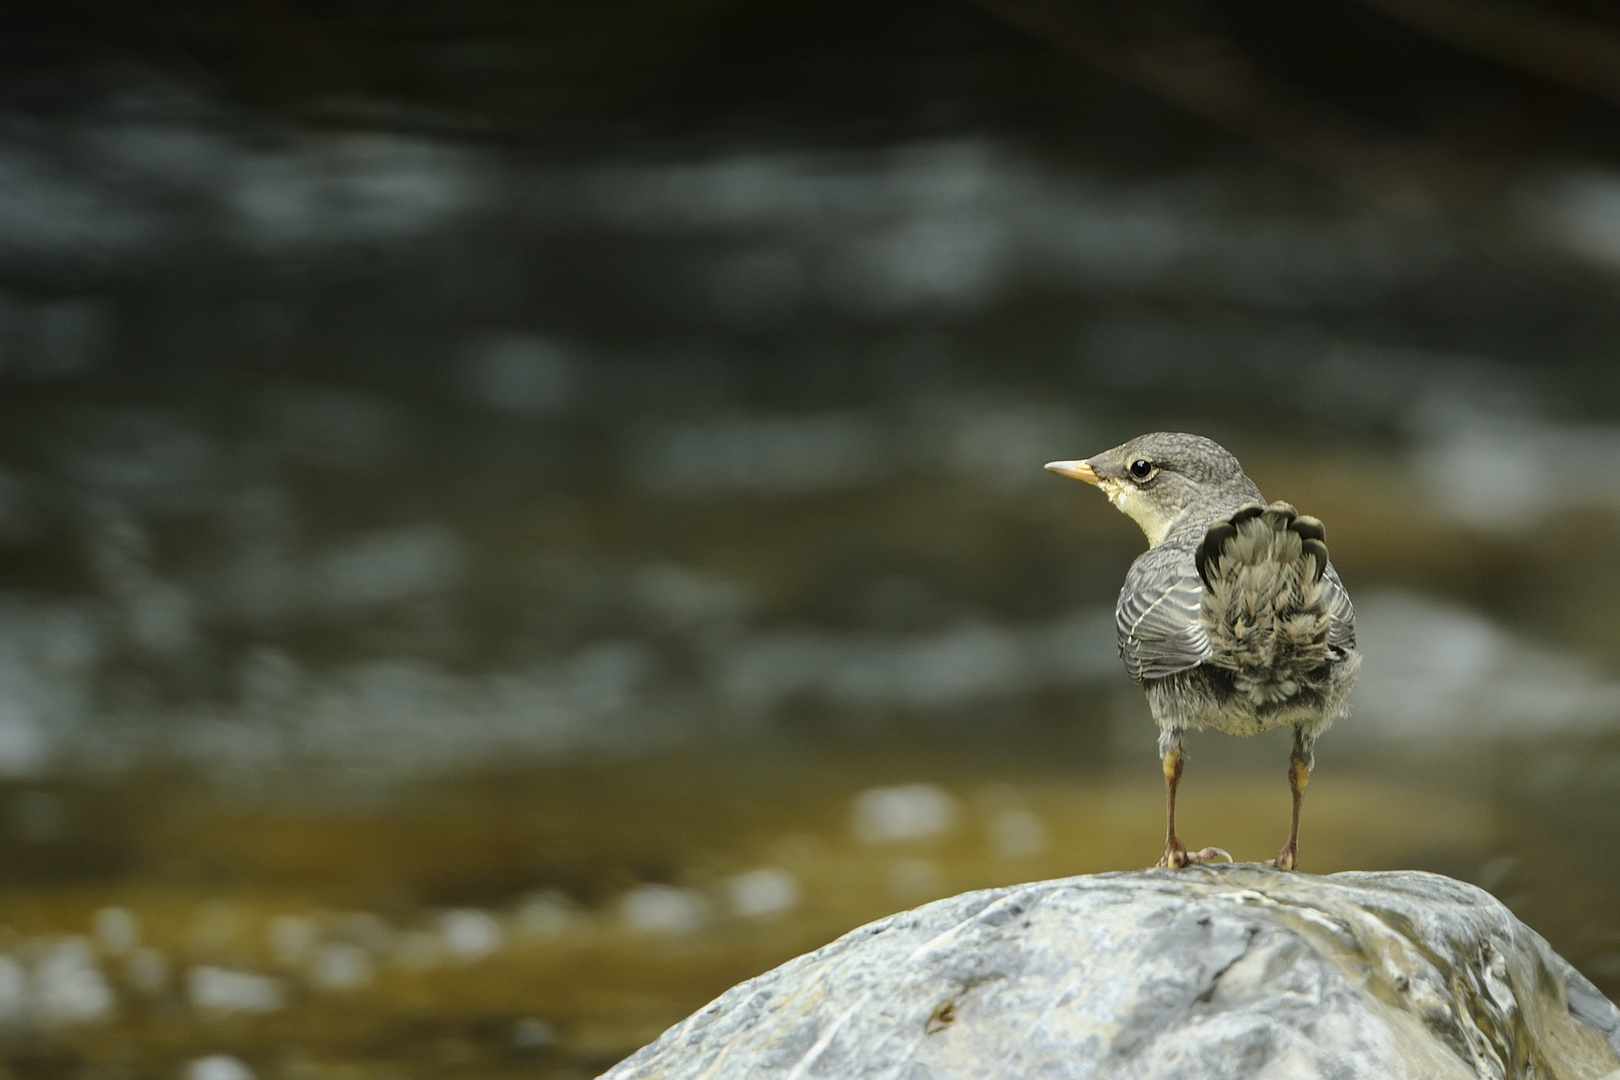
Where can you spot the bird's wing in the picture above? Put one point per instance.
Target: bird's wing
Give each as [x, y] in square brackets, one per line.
[1341, 614]
[1159, 617]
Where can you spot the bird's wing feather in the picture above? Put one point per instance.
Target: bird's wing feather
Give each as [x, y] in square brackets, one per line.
[1341, 614]
[1159, 615]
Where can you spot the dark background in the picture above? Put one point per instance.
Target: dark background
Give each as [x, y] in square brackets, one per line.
[486, 488]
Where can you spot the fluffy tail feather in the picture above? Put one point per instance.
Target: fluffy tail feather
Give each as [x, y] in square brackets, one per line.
[1263, 605]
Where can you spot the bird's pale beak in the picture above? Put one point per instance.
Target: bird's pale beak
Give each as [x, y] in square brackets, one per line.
[1077, 470]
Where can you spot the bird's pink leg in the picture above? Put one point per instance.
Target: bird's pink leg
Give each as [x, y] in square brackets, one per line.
[1299, 775]
[1176, 854]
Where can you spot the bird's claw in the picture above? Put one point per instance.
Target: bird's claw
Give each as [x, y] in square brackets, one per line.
[1210, 854]
[1287, 858]
[1175, 858]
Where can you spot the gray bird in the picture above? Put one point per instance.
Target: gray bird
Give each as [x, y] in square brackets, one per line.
[1233, 619]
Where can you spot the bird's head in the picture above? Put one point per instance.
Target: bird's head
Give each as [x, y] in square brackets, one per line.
[1157, 479]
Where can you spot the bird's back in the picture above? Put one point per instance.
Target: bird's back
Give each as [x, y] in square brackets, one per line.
[1247, 618]
[1268, 603]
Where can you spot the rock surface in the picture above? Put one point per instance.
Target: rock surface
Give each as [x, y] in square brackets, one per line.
[1203, 973]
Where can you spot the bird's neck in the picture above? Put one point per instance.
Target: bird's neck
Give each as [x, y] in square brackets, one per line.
[1156, 536]
[1196, 517]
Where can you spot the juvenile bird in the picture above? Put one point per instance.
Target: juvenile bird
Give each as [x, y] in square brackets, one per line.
[1233, 619]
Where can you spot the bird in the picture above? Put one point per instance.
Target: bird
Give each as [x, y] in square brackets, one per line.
[1233, 619]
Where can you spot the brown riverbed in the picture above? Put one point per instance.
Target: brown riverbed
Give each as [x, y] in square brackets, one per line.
[483, 926]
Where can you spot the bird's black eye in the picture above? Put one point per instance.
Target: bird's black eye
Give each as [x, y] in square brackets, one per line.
[1140, 468]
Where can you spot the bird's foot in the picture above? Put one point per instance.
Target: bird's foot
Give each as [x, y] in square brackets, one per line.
[1176, 856]
[1287, 858]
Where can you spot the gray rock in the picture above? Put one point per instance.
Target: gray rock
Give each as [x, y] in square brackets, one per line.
[1203, 973]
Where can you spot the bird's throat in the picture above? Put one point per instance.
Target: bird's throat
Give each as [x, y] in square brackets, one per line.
[1153, 519]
